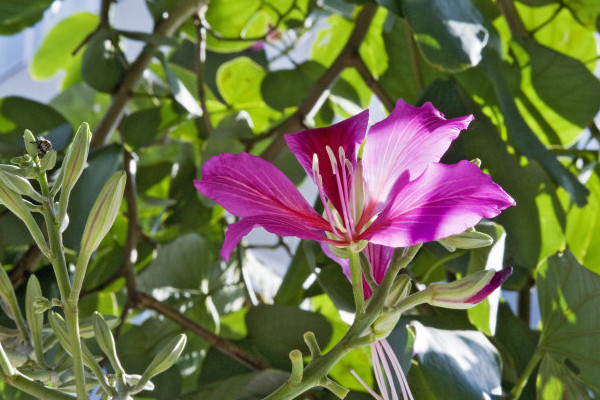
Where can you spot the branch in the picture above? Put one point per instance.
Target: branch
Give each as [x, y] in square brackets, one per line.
[371, 82]
[513, 19]
[317, 95]
[121, 98]
[225, 346]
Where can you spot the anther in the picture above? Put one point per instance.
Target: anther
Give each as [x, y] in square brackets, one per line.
[332, 159]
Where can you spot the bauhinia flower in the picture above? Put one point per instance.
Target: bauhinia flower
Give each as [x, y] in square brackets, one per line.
[460, 294]
[397, 194]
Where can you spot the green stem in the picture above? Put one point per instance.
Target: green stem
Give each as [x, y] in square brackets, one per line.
[515, 393]
[357, 282]
[61, 271]
[441, 261]
[316, 371]
[33, 388]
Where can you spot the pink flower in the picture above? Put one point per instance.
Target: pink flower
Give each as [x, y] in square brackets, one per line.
[397, 194]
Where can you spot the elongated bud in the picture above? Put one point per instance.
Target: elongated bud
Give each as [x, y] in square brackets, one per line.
[468, 291]
[19, 185]
[35, 319]
[469, 239]
[400, 289]
[75, 160]
[103, 214]
[385, 324]
[17, 206]
[59, 327]
[30, 143]
[106, 342]
[163, 360]
[10, 301]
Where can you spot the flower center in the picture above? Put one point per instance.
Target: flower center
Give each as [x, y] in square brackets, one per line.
[341, 221]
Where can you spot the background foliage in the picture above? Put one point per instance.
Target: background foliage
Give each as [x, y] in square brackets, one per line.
[234, 75]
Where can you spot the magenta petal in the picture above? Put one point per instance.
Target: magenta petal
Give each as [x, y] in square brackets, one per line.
[246, 185]
[492, 285]
[379, 257]
[348, 134]
[445, 200]
[275, 224]
[402, 145]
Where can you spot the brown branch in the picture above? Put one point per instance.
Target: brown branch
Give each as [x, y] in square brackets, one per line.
[371, 82]
[513, 19]
[26, 265]
[121, 98]
[225, 346]
[102, 24]
[200, 59]
[318, 92]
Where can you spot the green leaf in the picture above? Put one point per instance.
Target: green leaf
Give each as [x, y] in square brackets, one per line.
[180, 92]
[455, 364]
[55, 52]
[103, 66]
[291, 290]
[449, 32]
[565, 109]
[264, 324]
[252, 386]
[227, 135]
[18, 114]
[523, 137]
[142, 128]
[583, 228]
[17, 15]
[102, 163]
[515, 353]
[181, 264]
[287, 87]
[235, 19]
[569, 298]
[483, 316]
[239, 83]
[556, 382]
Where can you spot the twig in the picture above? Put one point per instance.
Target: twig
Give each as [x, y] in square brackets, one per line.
[226, 347]
[26, 265]
[200, 59]
[167, 27]
[102, 24]
[371, 82]
[315, 98]
[513, 19]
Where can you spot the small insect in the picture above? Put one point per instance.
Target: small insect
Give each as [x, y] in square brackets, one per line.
[43, 145]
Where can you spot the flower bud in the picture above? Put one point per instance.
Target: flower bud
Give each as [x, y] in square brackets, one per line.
[164, 359]
[19, 185]
[35, 318]
[469, 239]
[74, 162]
[385, 324]
[17, 206]
[106, 342]
[399, 290]
[103, 214]
[30, 143]
[468, 291]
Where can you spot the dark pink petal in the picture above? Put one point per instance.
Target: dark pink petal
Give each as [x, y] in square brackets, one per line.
[379, 257]
[347, 134]
[493, 284]
[445, 200]
[278, 225]
[246, 185]
[400, 147]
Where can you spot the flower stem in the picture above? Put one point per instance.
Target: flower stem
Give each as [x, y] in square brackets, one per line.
[515, 393]
[61, 271]
[315, 373]
[357, 282]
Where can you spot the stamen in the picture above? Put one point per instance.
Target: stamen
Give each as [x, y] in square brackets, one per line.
[319, 181]
[377, 369]
[388, 372]
[406, 393]
[332, 159]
